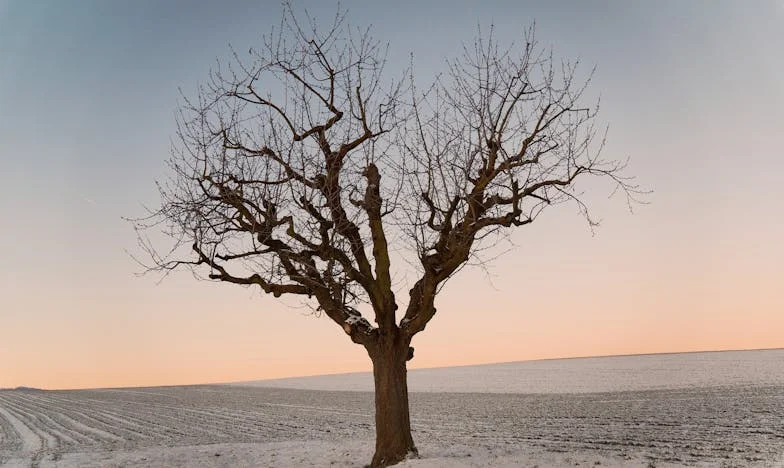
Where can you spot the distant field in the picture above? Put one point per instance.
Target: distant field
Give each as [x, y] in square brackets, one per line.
[252, 426]
[577, 375]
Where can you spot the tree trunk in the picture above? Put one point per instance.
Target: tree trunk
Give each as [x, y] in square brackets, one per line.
[393, 425]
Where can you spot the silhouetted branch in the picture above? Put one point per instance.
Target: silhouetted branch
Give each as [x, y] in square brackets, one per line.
[305, 188]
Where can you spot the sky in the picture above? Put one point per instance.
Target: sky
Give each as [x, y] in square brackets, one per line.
[692, 91]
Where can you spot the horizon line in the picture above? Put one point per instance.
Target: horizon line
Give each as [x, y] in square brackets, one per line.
[512, 362]
[19, 387]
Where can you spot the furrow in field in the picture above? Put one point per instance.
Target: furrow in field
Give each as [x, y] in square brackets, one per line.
[57, 431]
[168, 422]
[269, 422]
[49, 421]
[33, 444]
[125, 421]
[245, 425]
[229, 422]
[132, 423]
[31, 418]
[59, 415]
[123, 425]
[118, 426]
[86, 427]
[217, 424]
[159, 422]
[9, 438]
[50, 444]
[98, 430]
[137, 427]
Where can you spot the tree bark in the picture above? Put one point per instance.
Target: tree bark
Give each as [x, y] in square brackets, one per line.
[393, 424]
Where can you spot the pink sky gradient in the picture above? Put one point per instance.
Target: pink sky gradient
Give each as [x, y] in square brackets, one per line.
[692, 91]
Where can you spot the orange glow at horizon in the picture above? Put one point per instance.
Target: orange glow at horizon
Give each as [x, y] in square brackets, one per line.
[211, 333]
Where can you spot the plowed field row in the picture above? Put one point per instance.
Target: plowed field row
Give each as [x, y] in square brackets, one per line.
[723, 425]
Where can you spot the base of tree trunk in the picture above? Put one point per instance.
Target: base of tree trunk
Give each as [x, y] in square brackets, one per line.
[380, 460]
[393, 425]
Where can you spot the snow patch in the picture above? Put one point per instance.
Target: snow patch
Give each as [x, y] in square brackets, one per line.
[357, 320]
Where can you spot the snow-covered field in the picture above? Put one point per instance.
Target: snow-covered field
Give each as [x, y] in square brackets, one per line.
[735, 422]
[577, 375]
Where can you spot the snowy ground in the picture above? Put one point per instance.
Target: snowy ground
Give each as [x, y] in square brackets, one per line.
[740, 425]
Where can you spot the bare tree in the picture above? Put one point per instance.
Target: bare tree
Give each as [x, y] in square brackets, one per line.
[298, 168]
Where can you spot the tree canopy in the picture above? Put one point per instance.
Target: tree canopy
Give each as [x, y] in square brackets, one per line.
[300, 167]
